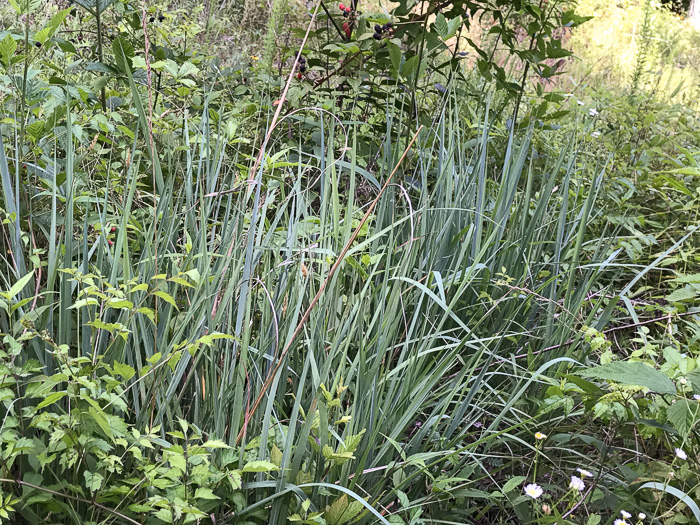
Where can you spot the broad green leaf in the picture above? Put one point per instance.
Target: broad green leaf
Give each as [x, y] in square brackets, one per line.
[441, 26]
[681, 294]
[342, 511]
[51, 399]
[166, 297]
[19, 285]
[633, 373]
[410, 66]
[395, 55]
[682, 415]
[593, 519]
[512, 483]
[8, 46]
[688, 279]
[97, 415]
[235, 479]
[53, 25]
[215, 443]
[87, 301]
[123, 370]
[260, 466]
[205, 493]
[123, 53]
[93, 480]
[694, 378]
[16, 6]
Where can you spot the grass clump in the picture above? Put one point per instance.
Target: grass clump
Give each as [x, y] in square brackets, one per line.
[391, 291]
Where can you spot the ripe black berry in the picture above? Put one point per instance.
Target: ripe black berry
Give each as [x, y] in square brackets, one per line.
[161, 18]
[378, 29]
[152, 19]
[346, 14]
[388, 25]
[302, 68]
[377, 36]
[37, 44]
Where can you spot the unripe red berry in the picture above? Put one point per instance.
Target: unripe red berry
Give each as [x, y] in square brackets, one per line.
[298, 76]
[111, 243]
[342, 7]
[114, 228]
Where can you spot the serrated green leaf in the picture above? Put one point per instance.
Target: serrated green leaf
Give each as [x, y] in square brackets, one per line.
[681, 294]
[123, 53]
[633, 373]
[688, 279]
[441, 26]
[342, 511]
[682, 415]
[93, 480]
[123, 370]
[205, 493]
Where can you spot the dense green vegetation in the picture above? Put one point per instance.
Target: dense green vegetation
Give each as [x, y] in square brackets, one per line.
[422, 264]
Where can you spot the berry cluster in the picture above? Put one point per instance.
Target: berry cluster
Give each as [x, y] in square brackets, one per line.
[380, 30]
[161, 17]
[347, 11]
[302, 65]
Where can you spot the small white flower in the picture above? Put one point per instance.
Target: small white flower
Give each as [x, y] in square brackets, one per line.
[584, 473]
[533, 490]
[621, 522]
[625, 514]
[593, 112]
[576, 484]
[696, 397]
[680, 453]
[540, 435]
[683, 381]
[642, 516]
[579, 102]
[595, 134]
[568, 95]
